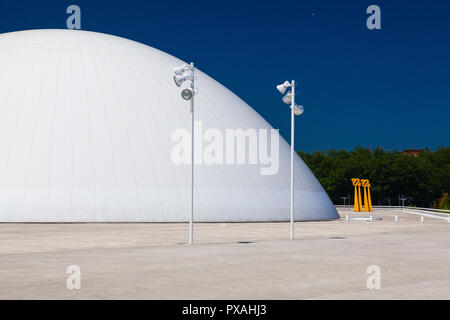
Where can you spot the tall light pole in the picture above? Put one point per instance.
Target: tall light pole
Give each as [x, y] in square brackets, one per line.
[289, 98]
[181, 74]
[402, 198]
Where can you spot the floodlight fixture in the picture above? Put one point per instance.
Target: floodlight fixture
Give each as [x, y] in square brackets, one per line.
[186, 94]
[287, 98]
[282, 87]
[180, 78]
[298, 110]
[181, 69]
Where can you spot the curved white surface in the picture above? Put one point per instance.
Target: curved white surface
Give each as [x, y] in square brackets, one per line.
[85, 135]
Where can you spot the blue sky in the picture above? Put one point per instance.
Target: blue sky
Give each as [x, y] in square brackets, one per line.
[388, 87]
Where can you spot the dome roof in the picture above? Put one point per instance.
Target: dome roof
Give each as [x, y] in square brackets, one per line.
[86, 135]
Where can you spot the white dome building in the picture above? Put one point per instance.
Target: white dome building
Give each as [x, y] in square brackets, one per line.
[86, 136]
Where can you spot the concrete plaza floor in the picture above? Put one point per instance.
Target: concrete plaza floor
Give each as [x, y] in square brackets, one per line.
[328, 260]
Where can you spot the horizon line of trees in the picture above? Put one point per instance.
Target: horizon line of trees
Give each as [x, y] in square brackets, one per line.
[424, 180]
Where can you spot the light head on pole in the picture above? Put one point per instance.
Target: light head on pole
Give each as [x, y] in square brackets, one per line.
[181, 74]
[282, 87]
[287, 98]
[179, 79]
[180, 70]
[186, 94]
[298, 110]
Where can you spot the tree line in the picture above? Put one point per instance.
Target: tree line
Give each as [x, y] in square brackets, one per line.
[424, 180]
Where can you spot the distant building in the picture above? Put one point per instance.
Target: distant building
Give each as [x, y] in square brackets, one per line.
[413, 152]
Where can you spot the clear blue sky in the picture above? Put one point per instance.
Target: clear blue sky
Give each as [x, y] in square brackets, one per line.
[388, 87]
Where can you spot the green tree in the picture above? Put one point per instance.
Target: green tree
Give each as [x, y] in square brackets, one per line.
[422, 179]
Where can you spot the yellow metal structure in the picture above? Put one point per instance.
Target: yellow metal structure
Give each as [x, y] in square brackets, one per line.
[369, 199]
[359, 197]
[357, 203]
[357, 183]
[365, 183]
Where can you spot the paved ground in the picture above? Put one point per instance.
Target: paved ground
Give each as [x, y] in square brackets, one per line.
[328, 260]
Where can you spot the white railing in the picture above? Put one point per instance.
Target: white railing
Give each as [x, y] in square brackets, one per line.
[375, 208]
[428, 209]
[431, 214]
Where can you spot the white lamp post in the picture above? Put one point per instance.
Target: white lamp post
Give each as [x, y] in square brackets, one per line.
[181, 74]
[345, 198]
[289, 98]
[402, 199]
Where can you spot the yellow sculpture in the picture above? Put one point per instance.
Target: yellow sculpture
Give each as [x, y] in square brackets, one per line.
[364, 183]
[357, 183]
[369, 200]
